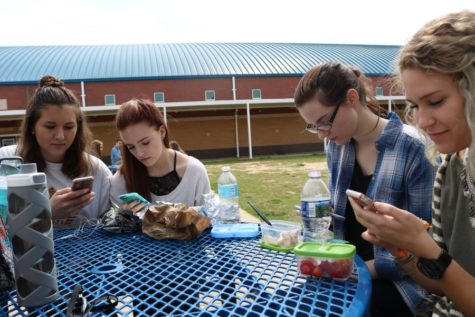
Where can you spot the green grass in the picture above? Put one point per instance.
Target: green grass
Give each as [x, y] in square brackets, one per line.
[273, 184]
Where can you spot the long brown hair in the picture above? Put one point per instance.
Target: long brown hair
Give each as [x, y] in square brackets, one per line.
[52, 92]
[329, 84]
[133, 112]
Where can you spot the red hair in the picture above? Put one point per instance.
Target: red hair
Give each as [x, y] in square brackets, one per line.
[133, 112]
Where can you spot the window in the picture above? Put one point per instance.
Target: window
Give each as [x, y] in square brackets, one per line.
[8, 139]
[256, 94]
[3, 104]
[379, 91]
[159, 96]
[109, 99]
[210, 95]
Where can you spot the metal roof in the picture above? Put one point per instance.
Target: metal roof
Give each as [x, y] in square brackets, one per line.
[27, 64]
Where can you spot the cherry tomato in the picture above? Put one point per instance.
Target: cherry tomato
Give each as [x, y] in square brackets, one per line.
[326, 267]
[317, 271]
[306, 267]
[341, 268]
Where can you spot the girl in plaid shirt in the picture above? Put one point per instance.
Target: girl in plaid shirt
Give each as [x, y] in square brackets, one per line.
[374, 154]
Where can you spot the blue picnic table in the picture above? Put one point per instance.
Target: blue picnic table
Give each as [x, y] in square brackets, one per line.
[201, 277]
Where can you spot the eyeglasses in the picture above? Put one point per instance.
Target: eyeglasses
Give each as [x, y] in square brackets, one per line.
[324, 127]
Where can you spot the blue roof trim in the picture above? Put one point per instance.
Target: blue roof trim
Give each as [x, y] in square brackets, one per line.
[21, 65]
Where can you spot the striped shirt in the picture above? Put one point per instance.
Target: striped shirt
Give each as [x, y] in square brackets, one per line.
[451, 227]
[403, 177]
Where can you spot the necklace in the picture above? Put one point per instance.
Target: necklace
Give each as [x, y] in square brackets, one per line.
[376, 125]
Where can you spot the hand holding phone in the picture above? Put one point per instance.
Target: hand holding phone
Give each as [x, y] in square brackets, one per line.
[83, 182]
[132, 197]
[363, 200]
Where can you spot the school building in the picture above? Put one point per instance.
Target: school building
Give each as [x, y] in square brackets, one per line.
[219, 99]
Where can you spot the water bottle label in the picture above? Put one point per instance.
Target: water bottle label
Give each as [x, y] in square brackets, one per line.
[228, 191]
[315, 208]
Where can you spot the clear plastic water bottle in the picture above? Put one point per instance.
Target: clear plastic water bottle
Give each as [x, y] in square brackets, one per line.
[31, 234]
[315, 209]
[229, 197]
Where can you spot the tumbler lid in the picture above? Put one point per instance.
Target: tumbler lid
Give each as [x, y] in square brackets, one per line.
[28, 168]
[23, 180]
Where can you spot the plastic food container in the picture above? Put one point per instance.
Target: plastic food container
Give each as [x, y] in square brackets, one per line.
[281, 235]
[331, 260]
[235, 230]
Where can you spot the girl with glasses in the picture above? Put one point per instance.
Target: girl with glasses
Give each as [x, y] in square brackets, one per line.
[373, 154]
[437, 70]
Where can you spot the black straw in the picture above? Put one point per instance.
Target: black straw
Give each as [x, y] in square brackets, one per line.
[259, 213]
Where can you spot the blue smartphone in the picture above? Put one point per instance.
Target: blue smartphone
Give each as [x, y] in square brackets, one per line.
[131, 197]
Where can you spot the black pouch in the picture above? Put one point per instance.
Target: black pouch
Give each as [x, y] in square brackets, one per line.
[120, 220]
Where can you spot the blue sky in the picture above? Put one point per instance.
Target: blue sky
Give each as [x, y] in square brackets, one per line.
[68, 22]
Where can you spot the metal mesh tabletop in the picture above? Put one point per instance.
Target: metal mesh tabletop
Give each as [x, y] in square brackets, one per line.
[202, 277]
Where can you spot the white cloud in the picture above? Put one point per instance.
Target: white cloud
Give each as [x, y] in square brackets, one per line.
[53, 22]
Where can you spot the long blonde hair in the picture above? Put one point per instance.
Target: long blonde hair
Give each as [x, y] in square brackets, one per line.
[447, 45]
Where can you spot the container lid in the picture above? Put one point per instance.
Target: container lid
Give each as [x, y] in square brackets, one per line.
[235, 230]
[282, 225]
[325, 250]
[225, 169]
[275, 247]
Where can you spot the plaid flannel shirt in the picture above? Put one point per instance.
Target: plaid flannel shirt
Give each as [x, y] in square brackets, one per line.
[403, 177]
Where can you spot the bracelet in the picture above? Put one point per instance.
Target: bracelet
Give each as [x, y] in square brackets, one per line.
[404, 260]
[60, 222]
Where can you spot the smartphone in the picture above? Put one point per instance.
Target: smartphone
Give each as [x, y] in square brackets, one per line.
[82, 182]
[131, 197]
[362, 199]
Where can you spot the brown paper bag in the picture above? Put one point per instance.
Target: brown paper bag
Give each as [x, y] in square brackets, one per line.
[176, 221]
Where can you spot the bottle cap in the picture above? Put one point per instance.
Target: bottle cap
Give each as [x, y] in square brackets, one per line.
[314, 174]
[225, 169]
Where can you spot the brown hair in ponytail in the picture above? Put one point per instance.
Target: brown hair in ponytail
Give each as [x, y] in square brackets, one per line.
[52, 92]
[329, 83]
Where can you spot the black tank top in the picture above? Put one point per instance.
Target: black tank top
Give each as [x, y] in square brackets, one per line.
[164, 185]
[353, 229]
